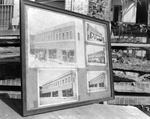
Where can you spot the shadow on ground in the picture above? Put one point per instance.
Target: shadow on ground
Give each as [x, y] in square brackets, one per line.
[15, 104]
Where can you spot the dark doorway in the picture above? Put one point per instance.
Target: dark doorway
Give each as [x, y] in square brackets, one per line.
[142, 12]
[117, 13]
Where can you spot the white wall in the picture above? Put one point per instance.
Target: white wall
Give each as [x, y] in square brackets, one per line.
[15, 19]
[129, 12]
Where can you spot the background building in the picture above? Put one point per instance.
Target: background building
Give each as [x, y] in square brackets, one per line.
[9, 14]
[133, 11]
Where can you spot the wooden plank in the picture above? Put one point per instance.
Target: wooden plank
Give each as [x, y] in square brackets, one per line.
[10, 32]
[11, 109]
[10, 88]
[130, 45]
[130, 100]
[142, 87]
[10, 94]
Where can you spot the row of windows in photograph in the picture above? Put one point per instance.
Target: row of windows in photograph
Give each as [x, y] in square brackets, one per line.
[98, 81]
[65, 93]
[68, 35]
[97, 85]
[62, 81]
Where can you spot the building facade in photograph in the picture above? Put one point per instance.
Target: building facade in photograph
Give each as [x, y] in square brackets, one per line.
[57, 44]
[63, 86]
[94, 35]
[97, 57]
[97, 82]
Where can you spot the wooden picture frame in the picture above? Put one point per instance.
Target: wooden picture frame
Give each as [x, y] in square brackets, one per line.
[55, 69]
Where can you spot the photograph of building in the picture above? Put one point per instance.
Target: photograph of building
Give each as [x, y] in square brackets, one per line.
[59, 88]
[96, 81]
[54, 47]
[58, 43]
[96, 55]
[54, 39]
[94, 34]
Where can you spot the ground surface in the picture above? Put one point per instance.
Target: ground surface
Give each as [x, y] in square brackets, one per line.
[144, 108]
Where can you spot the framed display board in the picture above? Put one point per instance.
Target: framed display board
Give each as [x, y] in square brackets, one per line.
[66, 59]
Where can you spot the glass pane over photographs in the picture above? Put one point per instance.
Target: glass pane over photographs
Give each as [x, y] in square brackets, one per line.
[57, 86]
[54, 39]
[65, 59]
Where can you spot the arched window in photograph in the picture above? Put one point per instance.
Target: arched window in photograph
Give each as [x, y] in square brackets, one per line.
[69, 79]
[63, 36]
[56, 36]
[66, 80]
[59, 36]
[62, 81]
[51, 37]
[67, 35]
[71, 35]
[78, 36]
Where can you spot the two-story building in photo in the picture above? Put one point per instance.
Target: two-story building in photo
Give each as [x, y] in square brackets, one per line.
[64, 86]
[98, 82]
[94, 35]
[57, 44]
[97, 57]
